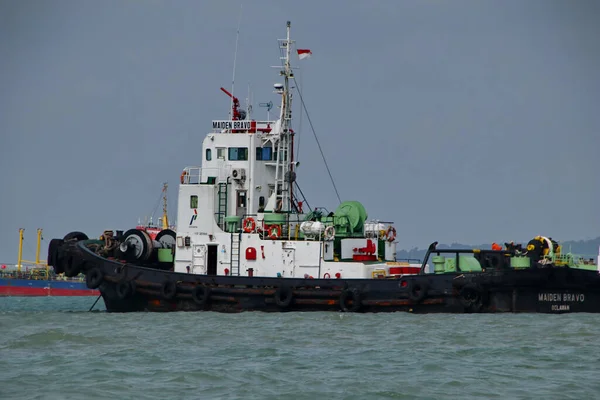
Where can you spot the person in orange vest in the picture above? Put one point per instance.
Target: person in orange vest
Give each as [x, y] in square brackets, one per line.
[496, 246]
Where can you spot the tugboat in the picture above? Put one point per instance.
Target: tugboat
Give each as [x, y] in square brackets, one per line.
[247, 239]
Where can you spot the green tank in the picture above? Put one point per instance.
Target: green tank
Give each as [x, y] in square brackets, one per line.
[467, 264]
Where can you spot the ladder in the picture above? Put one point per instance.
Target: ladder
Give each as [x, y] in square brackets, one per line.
[222, 210]
[236, 238]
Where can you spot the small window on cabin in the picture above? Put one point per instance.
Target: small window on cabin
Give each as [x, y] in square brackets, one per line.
[194, 201]
[208, 155]
[220, 153]
[261, 201]
[238, 153]
[267, 153]
[259, 154]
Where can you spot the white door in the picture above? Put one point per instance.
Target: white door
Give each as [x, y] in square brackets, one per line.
[199, 259]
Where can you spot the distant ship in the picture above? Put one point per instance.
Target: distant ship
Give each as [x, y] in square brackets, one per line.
[38, 279]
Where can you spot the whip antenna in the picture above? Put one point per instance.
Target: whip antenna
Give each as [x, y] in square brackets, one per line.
[237, 39]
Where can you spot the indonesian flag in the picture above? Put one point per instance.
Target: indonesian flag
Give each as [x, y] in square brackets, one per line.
[304, 53]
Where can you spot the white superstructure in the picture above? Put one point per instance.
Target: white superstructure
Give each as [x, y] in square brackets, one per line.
[240, 213]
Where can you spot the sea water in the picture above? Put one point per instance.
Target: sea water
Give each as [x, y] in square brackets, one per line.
[53, 348]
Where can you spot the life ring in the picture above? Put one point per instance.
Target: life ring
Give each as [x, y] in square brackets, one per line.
[390, 235]
[326, 275]
[283, 296]
[183, 175]
[249, 225]
[200, 295]
[125, 289]
[329, 233]
[94, 278]
[417, 291]
[169, 290]
[275, 232]
[350, 294]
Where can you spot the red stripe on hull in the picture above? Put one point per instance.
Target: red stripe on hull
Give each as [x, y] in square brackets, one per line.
[32, 291]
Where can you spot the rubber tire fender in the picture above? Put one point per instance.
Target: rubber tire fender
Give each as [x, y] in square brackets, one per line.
[417, 291]
[471, 304]
[200, 295]
[168, 290]
[283, 296]
[75, 235]
[125, 289]
[94, 278]
[350, 294]
[53, 251]
[73, 266]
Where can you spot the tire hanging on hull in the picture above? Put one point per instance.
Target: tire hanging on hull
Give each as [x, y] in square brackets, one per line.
[350, 294]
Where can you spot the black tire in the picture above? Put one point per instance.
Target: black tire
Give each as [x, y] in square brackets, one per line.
[53, 251]
[200, 295]
[350, 294]
[94, 278]
[169, 290]
[417, 291]
[472, 297]
[73, 267]
[283, 296]
[75, 235]
[125, 289]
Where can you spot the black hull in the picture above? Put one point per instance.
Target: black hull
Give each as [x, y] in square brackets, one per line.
[131, 288]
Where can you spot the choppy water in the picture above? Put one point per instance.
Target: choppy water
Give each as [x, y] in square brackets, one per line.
[52, 348]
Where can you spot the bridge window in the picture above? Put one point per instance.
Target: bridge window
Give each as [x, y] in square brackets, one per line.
[221, 153]
[264, 153]
[194, 201]
[208, 155]
[238, 154]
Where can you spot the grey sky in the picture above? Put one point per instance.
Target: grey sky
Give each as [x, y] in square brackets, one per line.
[462, 121]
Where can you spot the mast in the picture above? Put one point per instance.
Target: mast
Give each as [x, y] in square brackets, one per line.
[283, 173]
[165, 218]
[20, 256]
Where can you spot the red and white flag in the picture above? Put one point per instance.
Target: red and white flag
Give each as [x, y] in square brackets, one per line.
[304, 53]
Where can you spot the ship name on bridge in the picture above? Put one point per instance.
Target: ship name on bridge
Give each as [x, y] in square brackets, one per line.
[240, 125]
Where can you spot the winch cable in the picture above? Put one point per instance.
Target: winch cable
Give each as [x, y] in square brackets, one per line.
[317, 140]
